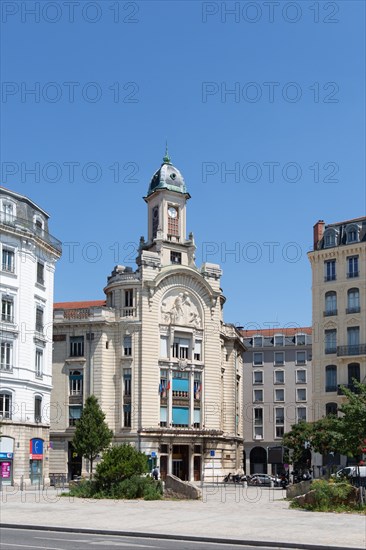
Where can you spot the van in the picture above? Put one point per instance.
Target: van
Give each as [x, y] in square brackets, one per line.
[352, 471]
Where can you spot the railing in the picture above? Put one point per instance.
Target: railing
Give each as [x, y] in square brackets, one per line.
[358, 349]
[329, 388]
[128, 312]
[330, 349]
[329, 278]
[352, 274]
[26, 225]
[350, 387]
[329, 312]
[355, 309]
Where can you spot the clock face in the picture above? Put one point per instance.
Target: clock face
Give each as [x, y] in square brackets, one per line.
[172, 212]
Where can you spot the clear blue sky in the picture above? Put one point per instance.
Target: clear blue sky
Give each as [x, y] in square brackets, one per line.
[114, 80]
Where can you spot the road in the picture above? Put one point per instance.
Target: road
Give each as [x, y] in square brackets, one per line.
[29, 539]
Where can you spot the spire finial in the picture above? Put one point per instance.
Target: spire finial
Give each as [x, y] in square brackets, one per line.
[166, 157]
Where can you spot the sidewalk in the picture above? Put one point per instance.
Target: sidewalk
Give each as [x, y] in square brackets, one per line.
[226, 511]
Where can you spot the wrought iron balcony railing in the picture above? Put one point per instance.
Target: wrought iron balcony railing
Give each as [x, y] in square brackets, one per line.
[28, 226]
[358, 349]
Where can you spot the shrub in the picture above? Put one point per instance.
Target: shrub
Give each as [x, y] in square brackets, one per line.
[119, 463]
[327, 496]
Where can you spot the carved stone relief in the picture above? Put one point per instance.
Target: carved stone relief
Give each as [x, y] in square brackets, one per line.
[180, 309]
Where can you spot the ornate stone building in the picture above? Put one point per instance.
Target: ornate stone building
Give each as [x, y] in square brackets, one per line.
[28, 257]
[165, 367]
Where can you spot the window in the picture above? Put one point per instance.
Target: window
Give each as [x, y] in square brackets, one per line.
[163, 421]
[76, 346]
[329, 238]
[352, 263]
[258, 395]
[6, 356]
[301, 394]
[7, 212]
[352, 234]
[74, 414]
[127, 415]
[353, 301]
[279, 357]
[5, 405]
[76, 382]
[8, 260]
[279, 340]
[330, 303]
[331, 409]
[127, 346]
[40, 273]
[258, 377]
[301, 376]
[330, 341]
[279, 395]
[330, 270]
[180, 348]
[257, 358]
[197, 385]
[258, 341]
[7, 309]
[301, 414]
[279, 376]
[353, 373]
[128, 302]
[300, 339]
[38, 223]
[127, 382]
[180, 416]
[38, 409]
[180, 384]
[353, 340]
[198, 350]
[175, 257]
[258, 423]
[279, 421]
[39, 319]
[301, 358]
[330, 378]
[39, 363]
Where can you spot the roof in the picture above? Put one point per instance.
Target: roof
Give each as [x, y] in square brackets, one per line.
[353, 220]
[167, 177]
[23, 198]
[79, 305]
[272, 331]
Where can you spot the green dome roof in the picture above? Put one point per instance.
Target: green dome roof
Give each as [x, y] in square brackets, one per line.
[167, 177]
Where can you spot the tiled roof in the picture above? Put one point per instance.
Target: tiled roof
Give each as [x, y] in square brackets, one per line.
[273, 331]
[79, 305]
[363, 218]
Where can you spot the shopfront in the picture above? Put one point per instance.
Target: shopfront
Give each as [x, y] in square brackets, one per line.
[36, 460]
[6, 460]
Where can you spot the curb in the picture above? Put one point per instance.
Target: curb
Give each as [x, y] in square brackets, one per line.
[189, 538]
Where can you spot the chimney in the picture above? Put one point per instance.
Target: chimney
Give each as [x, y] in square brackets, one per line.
[318, 233]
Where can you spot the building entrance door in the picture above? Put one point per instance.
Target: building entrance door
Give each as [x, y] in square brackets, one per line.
[180, 461]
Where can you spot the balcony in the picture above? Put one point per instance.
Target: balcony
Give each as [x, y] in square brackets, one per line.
[352, 274]
[330, 349]
[359, 349]
[329, 312]
[20, 224]
[331, 277]
[355, 309]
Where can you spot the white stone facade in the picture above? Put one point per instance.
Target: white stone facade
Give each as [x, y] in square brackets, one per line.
[166, 369]
[28, 257]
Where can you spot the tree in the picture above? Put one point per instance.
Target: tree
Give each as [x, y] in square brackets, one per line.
[298, 440]
[119, 463]
[353, 421]
[92, 435]
[326, 435]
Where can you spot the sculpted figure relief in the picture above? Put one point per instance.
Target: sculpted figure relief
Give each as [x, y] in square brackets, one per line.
[179, 310]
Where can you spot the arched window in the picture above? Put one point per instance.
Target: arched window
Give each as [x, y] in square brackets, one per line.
[331, 409]
[353, 300]
[330, 238]
[352, 231]
[330, 303]
[76, 382]
[5, 405]
[331, 378]
[353, 374]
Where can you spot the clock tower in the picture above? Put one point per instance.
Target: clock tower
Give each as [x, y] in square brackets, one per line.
[166, 199]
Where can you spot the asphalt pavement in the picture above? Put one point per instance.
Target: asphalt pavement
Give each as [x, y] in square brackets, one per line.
[227, 513]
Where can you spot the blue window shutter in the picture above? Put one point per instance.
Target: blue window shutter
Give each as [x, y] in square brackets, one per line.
[180, 415]
[179, 384]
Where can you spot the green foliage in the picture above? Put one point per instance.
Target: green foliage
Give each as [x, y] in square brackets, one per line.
[353, 428]
[330, 496]
[92, 435]
[345, 434]
[131, 488]
[119, 463]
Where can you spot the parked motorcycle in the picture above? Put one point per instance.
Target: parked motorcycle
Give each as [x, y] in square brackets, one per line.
[234, 478]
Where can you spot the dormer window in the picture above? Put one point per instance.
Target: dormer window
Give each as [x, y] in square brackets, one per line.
[38, 224]
[8, 212]
[330, 238]
[258, 341]
[278, 340]
[352, 233]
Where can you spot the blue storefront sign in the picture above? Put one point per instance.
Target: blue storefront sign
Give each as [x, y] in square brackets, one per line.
[7, 455]
[36, 449]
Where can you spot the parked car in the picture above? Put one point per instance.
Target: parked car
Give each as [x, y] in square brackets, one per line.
[264, 480]
[351, 471]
